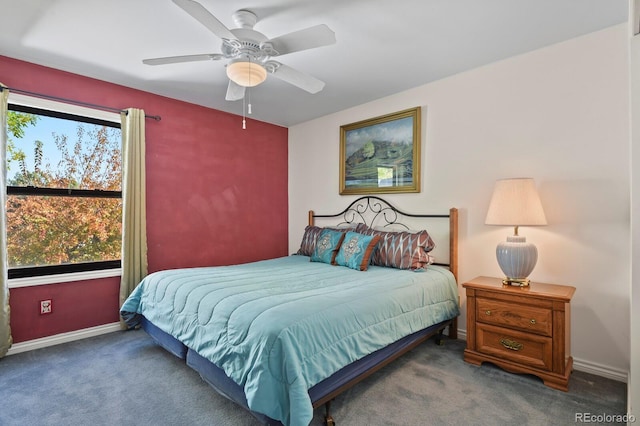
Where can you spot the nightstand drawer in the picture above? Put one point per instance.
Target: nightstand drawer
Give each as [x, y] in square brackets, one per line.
[523, 348]
[526, 318]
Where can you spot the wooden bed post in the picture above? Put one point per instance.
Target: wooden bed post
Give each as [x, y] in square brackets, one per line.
[453, 261]
[453, 241]
[311, 218]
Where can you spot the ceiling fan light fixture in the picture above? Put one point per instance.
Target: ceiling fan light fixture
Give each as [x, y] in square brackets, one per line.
[246, 73]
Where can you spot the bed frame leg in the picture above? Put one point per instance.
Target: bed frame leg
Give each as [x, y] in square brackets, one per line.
[328, 419]
[453, 332]
[453, 329]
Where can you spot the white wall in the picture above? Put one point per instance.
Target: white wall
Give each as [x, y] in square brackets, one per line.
[634, 377]
[559, 115]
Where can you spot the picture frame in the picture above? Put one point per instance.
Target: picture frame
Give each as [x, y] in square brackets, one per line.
[381, 154]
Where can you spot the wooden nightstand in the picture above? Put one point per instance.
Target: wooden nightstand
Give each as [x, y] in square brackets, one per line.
[520, 329]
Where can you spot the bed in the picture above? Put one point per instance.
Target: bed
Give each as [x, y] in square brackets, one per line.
[284, 336]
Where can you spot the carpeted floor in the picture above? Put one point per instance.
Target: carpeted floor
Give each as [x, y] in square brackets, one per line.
[123, 378]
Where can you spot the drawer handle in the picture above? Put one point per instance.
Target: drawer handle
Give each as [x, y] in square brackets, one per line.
[511, 344]
[533, 321]
[487, 312]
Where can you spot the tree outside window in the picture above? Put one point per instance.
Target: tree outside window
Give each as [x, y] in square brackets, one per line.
[64, 204]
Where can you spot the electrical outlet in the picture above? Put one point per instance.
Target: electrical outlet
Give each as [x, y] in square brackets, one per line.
[46, 307]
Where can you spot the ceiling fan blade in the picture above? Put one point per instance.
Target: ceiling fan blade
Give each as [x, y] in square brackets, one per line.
[317, 36]
[235, 92]
[202, 15]
[295, 77]
[184, 58]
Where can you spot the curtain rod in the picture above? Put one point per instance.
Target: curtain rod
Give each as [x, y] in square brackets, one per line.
[73, 102]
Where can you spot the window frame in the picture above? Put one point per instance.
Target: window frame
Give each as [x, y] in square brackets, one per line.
[35, 275]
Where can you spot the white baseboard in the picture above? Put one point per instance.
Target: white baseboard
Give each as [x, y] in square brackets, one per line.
[585, 366]
[601, 370]
[57, 339]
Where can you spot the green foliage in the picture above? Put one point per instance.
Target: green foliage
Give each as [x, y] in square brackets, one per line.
[16, 123]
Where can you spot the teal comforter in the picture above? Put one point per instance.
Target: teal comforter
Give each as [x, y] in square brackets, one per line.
[277, 327]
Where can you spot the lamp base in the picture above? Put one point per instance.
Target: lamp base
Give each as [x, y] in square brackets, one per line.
[519, 282]
[516, 258]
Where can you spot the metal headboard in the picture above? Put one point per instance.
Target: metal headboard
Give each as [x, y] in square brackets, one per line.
[375, 210]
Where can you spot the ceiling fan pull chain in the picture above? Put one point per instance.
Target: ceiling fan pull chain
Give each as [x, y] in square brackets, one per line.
[244, 120]
[248, 108]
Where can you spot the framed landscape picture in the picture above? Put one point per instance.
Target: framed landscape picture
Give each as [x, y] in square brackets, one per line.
[381, 155]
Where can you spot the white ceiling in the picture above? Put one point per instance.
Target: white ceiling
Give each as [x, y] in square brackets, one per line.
[383, 46]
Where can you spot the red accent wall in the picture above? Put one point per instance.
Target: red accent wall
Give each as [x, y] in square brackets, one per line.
[75, 306]
[216, 194]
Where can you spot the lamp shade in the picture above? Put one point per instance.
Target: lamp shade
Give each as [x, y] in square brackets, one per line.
[515, 202]
[246, 73]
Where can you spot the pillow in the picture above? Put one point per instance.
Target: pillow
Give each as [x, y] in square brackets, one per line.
[308, 244]
[361, 227]
[327, 246]
[402, 250]
[356, 250]
[310, 236]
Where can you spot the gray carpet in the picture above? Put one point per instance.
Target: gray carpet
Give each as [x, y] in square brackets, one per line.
[123, 378]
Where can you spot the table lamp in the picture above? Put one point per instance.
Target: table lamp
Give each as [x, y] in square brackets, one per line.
[515, 202]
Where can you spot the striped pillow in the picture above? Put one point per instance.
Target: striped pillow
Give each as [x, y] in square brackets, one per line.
[402, 250]
[308, 244]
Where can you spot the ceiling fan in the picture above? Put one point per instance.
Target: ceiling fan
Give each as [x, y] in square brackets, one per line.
[250, 52]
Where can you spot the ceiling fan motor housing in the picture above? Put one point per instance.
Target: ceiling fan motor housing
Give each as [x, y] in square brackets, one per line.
[249, 44]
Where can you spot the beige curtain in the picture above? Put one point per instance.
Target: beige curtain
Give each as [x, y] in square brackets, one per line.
[5, 328]
[134, 223]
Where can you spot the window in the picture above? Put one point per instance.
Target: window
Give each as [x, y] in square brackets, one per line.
[64, 199]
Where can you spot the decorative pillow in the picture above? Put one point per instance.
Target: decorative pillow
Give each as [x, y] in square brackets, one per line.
[356, 250]
[308, 244]
[327, 246]
[310, 236]
[361, 227]
[402, 250]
